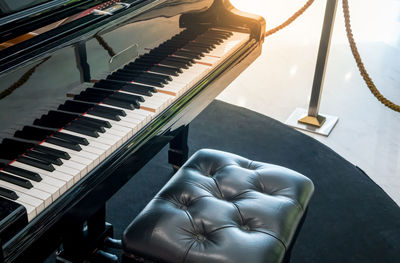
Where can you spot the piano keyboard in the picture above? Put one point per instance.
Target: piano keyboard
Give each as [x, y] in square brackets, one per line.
[58, 149]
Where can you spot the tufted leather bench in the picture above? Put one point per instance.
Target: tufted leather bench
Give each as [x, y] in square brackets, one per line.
[220, 207]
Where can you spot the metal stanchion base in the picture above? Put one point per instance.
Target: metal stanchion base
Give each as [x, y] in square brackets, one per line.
[301, 114]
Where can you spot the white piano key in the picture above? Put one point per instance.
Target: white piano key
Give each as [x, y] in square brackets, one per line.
[119, 128]
[48, 188]
[123, 126]
[30, 210]
[62, 183]
[30, 200]
[42, 185]
[45, 197]
[84, 153]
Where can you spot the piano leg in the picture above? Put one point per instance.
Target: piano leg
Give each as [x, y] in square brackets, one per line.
[178, 148]
[73, 242]
[84, 237]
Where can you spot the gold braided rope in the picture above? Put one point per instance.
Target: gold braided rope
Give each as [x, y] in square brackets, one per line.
[291, 19]
[105, 45]
[360, 64]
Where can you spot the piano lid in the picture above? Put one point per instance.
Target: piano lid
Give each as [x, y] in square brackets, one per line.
[37, 73]
[11, 6]
[19, 17]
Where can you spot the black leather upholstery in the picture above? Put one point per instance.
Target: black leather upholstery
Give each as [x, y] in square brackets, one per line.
[220, 207]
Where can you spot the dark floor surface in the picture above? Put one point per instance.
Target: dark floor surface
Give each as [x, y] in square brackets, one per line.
[350, 218]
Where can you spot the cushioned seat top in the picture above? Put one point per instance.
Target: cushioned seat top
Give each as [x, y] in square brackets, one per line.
[220, 207]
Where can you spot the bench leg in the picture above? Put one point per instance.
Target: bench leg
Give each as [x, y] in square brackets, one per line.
[289, 252]
[178, 148]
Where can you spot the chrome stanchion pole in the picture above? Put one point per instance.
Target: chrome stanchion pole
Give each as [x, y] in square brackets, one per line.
[311, 120]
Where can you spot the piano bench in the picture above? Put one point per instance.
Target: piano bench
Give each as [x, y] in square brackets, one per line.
[220, 207]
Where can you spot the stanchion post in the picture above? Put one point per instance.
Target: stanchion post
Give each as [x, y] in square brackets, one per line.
[311, 120]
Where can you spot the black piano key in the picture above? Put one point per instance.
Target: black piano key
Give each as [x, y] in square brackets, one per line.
[179, 50]
[128, 97]
[218, 32]
[160, 57]
[44, 156]
[141, 79]
[105, 115]
[156, 68]
[163, 62]
[195, 46]
[188, 54]
[135, 100]
[87, 98]
[198, 47]
[94, 109]
[147, 74]
[136, 80]
[102, 123]
[47, 122]
[55, 152]
[208, 40]
[178, 54]
[188, 47]
[215, 37]
[185, 61]
[56, 119]
[23, 173]
[72, 138]
[11, 148]
[110, 84]
[171, 71]
[99, 92]
[76, 118]
[63, 115]
[106, 101]
[65, 144]
[8, 193]
[74, 127]
[126, 86]
[178, 43]
[143, 75]
[33, 133]
[90, 125]
[121, 104]
[138, 92]
[75, 106]
[37, 163]
[117, 112]
[16, 180]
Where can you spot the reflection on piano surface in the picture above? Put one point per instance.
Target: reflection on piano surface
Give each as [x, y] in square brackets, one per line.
[87, 98]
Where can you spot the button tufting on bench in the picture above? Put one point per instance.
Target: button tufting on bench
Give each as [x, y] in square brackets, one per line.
[220, 207]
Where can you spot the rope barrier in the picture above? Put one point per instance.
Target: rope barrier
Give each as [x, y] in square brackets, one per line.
[291, 19]
[360, 64]
[105, 45]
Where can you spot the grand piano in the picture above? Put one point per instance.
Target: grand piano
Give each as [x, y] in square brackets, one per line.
[90, 91]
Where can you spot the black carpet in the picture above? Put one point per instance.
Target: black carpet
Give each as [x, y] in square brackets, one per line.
[350, 219]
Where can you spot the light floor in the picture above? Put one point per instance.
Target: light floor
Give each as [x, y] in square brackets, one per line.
[367, 134]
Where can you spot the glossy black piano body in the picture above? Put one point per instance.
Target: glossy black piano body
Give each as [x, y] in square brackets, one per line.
[36, 75]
